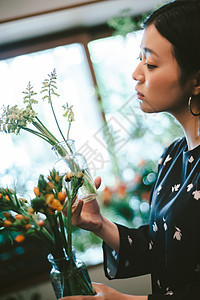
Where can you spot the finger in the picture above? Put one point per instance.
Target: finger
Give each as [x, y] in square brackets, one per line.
[97, 287]
[97, 181]
[77, 207]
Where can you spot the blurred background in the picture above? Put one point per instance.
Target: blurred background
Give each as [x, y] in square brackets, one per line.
[94, 46]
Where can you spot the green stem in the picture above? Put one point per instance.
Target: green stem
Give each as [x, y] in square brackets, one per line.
[68, 130]
[69, 227]
[55, 117]
[45, 129]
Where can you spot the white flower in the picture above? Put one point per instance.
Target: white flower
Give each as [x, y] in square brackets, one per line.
[151, 245]
[175, 188]
[130, 240]
[177, 234]
[159, 189]
[168, 158]
[155, 227]
[191, 159]
[196, 195]
[189, 187]
[165, 224]
[168, 292]
[158, 283]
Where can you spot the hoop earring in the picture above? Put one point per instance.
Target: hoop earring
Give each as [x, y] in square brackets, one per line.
[190, 109]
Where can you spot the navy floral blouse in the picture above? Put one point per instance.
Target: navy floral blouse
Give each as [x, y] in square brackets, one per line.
[169, 246]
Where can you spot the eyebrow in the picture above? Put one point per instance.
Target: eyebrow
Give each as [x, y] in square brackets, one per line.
[147, 50]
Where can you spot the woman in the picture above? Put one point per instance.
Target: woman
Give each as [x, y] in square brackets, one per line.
[168, 79]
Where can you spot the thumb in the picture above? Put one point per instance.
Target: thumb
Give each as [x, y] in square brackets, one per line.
[97, 181]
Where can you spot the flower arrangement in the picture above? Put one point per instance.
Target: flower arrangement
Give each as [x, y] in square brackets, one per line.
[45, 210]
[15, 119]
[42, 217]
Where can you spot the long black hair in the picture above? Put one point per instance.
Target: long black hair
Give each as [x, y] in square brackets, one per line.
[179, 23]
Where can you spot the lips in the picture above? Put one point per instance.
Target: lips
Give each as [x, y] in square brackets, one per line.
[140, 95]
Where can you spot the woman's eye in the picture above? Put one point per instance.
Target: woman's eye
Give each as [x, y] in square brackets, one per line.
[150, 67]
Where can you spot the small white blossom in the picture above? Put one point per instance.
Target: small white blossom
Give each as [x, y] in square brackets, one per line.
[130, 240]
[155, 227]
[177, 234]
[168, 158]
[196, 195]
[175, 188]
[189, 187]
[191, 159]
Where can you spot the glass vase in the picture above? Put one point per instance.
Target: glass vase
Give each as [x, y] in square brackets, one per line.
[69, 277]
[68, 160]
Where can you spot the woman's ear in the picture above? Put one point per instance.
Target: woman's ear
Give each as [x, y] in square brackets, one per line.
[196, 87]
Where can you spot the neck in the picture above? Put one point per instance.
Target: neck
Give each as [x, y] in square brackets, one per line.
[191, 127]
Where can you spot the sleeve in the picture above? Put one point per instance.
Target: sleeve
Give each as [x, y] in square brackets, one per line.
[190, 291]
[133, 258]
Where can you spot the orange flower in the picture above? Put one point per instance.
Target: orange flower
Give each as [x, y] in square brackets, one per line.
[30, 210]
[19, 217]
[56, 205]
[145, 196]
[6, 214]
[57, 177]
[7, 197]
[20, 238]
[28, 226]
[49, 198]
[7, 223]
[50, 184]
[41, 223]
[121, 191]
[36, 191]
[61, 196]
[106, 196]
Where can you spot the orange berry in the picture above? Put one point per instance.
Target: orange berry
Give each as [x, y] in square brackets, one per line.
[61, 196]
[0, 195]
[7, 197]
[20, 238]
[56, 205]
[57, 177]
[36, 191]
[49, 198]
[50, 184]
[7, 223]
[30, 210]
[41, 223]
[6, 214]
[28, 226]
[19, 217]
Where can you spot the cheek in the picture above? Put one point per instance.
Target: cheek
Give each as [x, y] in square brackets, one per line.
[163, 85]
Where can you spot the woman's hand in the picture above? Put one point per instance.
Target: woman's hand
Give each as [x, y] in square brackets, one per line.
[86, 215]
[105, 293]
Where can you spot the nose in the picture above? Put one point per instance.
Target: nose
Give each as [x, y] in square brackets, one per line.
[138, 75]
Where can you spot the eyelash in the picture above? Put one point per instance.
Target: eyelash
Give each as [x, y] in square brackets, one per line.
[149, 66]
